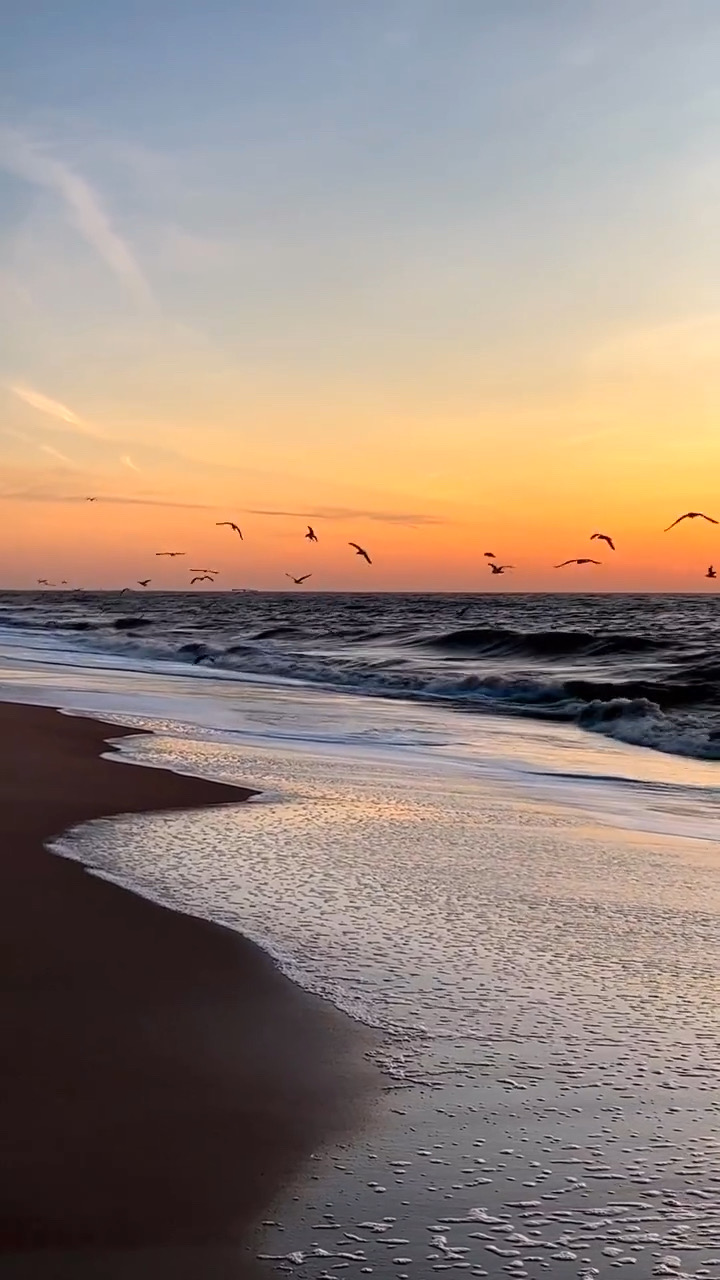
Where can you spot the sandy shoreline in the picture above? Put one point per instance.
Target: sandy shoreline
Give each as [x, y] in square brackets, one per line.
[164, 1081]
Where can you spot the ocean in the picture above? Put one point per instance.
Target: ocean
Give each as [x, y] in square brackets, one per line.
[488, 827]
[643, 669]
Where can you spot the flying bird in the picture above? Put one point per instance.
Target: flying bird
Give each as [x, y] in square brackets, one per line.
[311, 534]
[229, 524]
[691, 515]
[711, 572]
[172, 554]
[144, 582]
[91, 499]
[360, 552]
[500, 568]
[604, 537]
[43, 582]
[298, 581]
[201, 577]
[582, 560]
[203, 570]
[490, 555]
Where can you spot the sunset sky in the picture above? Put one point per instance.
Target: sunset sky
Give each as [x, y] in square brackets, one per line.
[438, 276]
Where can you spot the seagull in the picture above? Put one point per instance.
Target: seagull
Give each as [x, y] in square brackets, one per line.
[203, 570]
[360, 552]
[604, 537]
[298, 581]
[711, 573]
[691, 515]
[43, 582]
[500, 568]
[144, 582]
[172, 554]
[311, 534]
[582, 560]
[490, 554]
[229, 524]
[201, 577]
[91, 499]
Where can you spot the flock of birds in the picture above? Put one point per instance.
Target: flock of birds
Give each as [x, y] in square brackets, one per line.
[605, 537]
[210, 575]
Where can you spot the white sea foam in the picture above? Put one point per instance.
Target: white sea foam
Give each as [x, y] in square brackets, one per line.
[558, 762]
[548, 988]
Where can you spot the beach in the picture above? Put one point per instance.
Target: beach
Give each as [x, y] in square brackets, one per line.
[522, 919]
[164, 1080]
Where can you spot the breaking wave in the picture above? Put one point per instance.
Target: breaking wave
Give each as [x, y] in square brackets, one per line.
[641, 712]
[536, 643]
[641, 670]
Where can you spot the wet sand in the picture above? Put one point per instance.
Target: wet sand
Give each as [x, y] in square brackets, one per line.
[161, 1081]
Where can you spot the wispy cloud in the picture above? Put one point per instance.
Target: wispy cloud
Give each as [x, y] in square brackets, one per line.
[56, 410]
[55, 453]
[44, 404]
[352, 513]
[22, 157]
[128, 462]
[45, 495]
[49, 449]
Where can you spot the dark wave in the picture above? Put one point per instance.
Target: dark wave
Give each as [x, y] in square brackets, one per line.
[274, 633]
[131, 624]
[538, 643]
[666, 694]
[645, 670]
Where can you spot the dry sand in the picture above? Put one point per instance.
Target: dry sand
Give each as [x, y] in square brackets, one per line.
[161, 1081]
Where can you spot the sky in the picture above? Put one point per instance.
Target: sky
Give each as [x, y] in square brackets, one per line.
[435, 276]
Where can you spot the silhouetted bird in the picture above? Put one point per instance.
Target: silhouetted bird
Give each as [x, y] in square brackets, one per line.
[229, 524]
[298, 581]
[604, 537]
[691, 515]
[711, 573]
[91, 499]
[201, 577]
[360, 552]
[490, 555]
[144, 582]
[311, 534]
[582, 560]
[500, 568]
[172, 554]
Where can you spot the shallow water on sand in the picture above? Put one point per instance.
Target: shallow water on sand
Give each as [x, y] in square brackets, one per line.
[549, 988]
